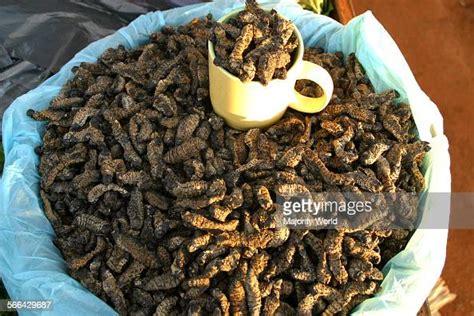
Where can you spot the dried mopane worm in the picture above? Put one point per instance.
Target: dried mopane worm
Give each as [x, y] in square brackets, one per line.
[160, 208]
[255, 45]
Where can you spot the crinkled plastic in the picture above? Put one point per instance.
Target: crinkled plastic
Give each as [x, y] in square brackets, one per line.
[38, 37]
[48, 33]
[32, 267]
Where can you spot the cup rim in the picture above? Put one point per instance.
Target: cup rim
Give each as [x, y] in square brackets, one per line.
[298, 56]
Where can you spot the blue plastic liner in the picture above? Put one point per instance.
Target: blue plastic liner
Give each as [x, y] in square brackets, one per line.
[32, 267]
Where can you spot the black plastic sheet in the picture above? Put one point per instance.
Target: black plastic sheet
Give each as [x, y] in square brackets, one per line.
[37, 37]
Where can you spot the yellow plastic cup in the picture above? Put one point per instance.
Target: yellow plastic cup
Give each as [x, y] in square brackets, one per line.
[245, 105]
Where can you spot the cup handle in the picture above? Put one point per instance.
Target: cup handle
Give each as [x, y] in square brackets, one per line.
[319, 75]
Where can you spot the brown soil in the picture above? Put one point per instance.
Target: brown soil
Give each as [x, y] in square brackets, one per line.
[437, 39]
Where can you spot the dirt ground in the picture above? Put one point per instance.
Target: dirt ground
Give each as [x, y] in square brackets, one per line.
[437, 39]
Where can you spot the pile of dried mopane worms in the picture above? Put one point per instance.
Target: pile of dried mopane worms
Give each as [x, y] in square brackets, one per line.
[255, 44]
[160, 208]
